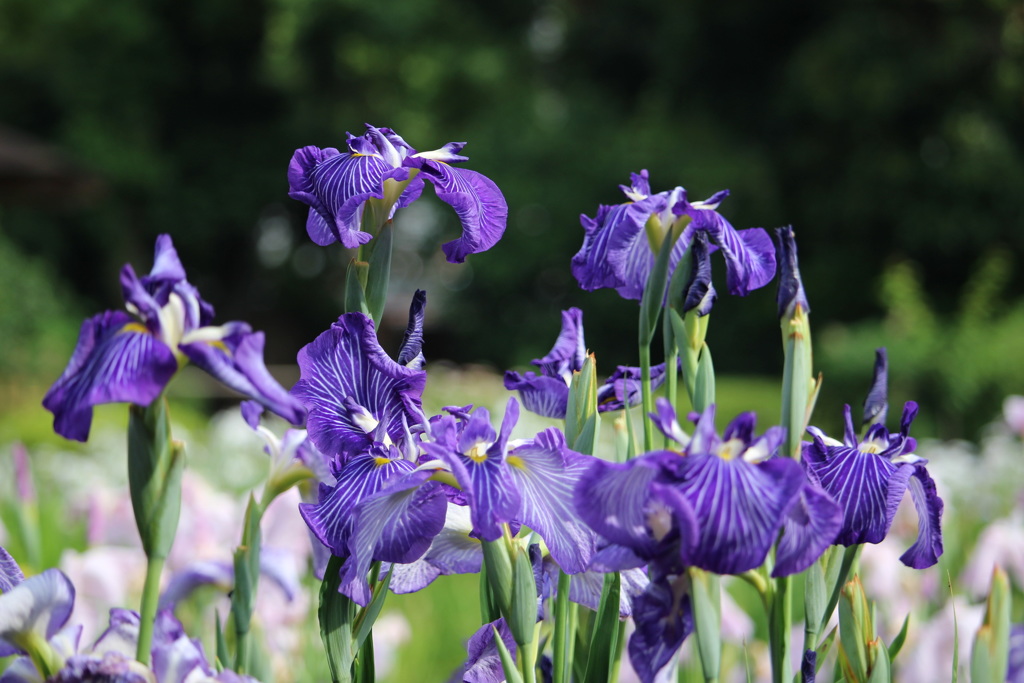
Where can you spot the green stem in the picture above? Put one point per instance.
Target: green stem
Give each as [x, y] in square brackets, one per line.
[527, 656]
[780, 620]
[147, 610]
[671, 363]
[560, 649]
[850, 556]
[648, 395]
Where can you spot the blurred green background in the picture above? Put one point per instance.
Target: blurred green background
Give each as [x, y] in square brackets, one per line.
[887, 132]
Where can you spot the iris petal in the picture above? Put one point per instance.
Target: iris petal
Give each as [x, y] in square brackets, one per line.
[810, 526]
[541, 395]
[591, 266]
[664, 618]
[112, 362]
[928, 547]
[546, 473]
[749, 254]
[10, 573]
[478, 202]
[40, 605]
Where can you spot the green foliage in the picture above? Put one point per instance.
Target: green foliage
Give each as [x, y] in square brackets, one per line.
[957, 365]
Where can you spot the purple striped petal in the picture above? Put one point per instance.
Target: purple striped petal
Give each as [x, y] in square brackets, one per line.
[810, 527]
[546, 473]
[484, 663]
[395, 525]
[336, 186]
[411, 577]
[346, 363]
[876, 404]
[928, 547]
[591, 266]
[541, 395]
[411, 353]
[237, 361]
[868, 486]
[331, 519]
[739, 506]
[115, 360]
[586, 588]
[569, 352]
[749, 254]
[40, 605]
[10, 573]
[478, 202]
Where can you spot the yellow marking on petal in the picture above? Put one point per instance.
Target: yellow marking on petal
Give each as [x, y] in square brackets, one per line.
[135, 327]
[380, 461]
[478, 452]
[870, 447]
[731, 448]
[516, 461]
[445, 477]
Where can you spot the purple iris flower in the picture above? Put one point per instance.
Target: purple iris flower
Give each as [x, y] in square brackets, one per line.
[355, 393]
[719, 507]
[130, 357]
[380, 169]
[547, 393]
[620, 241]
[869, 477]
[526, 481]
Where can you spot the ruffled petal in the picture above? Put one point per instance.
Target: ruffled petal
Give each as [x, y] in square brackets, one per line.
[928, 547]
[546, 473]
[115, 360]
[749, 254]
[478, 202]
[347, 362]
[591, 266]
[237, 361]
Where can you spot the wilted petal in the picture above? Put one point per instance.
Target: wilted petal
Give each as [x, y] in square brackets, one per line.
[347, 363]
[546, 473]
[810, 527]
[116, 360]
[395, 525]
[700, 293]
[623, 387]
[569, 352]
[236, 360]
[411, 353]
[478, 202]
[928, 547]
[791, 287]
[40, 605]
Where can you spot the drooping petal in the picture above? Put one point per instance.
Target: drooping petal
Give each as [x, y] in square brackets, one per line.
[331, 519]
[928, 547]
[347, 362]
[478, 202]
[623, 387]
[10, 573]
[591, 266]
[739, 506]
[236, 360]
[809, 528]
[749, 254]
[700, 293]
[541, 395]
[546, 473]
[664, 618]
[394, 525]
[867, 486]
[586, 587]
[115, 360]
[39, 605]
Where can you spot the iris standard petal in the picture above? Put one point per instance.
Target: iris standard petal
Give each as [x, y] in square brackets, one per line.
[40, 605]
[347, 362]
[115, 360]
[331, 519]
[928, 547]
[237, 361]
[394, 525]
[478, 202]
[546, 473]
[739, 508]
